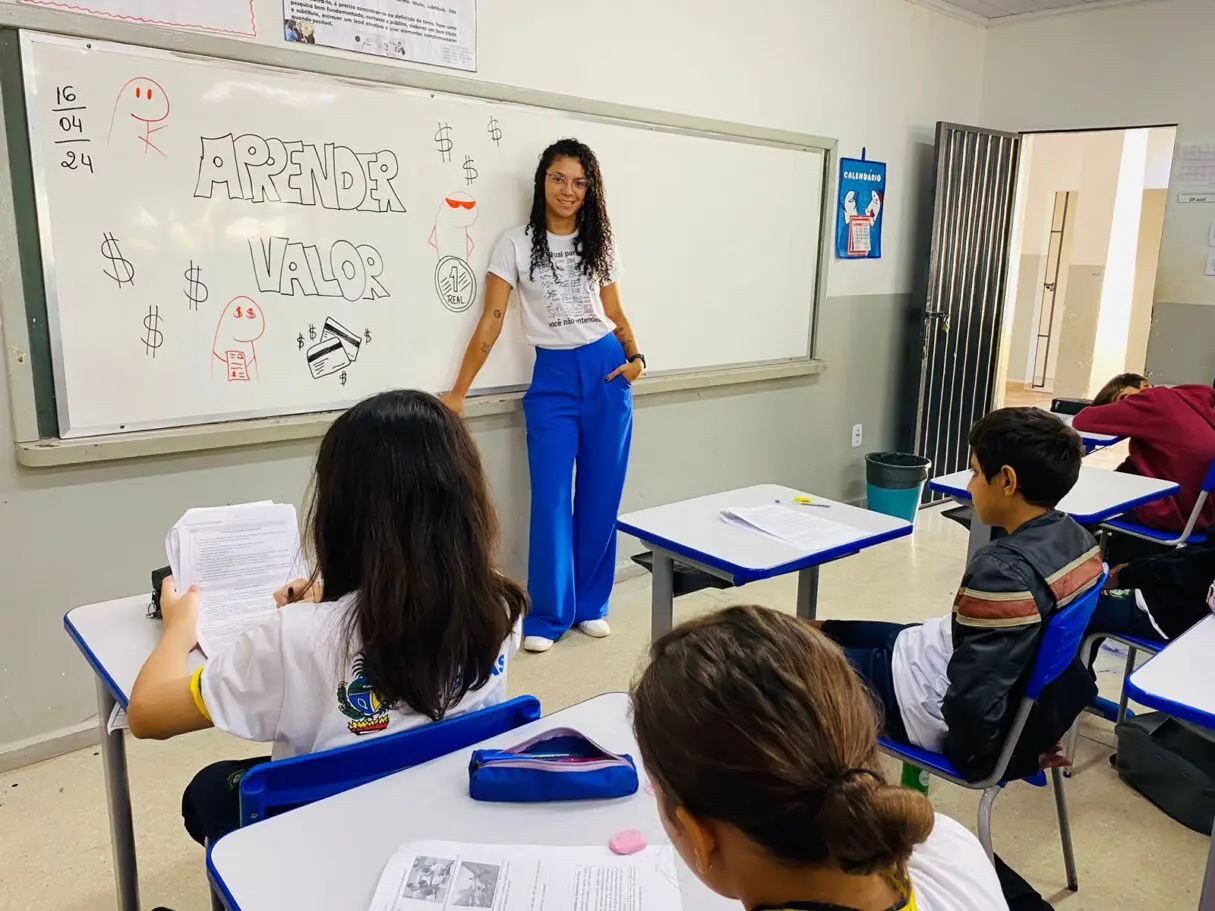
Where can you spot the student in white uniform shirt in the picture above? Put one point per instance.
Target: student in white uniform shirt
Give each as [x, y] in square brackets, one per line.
[414, 623]
[761, 744]
[579, 407]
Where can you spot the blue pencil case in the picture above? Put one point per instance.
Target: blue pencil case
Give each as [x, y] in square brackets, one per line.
[560, 764]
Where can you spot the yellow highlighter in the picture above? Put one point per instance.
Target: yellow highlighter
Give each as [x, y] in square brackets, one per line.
[809, 501]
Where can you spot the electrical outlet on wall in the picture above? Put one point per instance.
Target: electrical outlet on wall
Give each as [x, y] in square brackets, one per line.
[857, 435]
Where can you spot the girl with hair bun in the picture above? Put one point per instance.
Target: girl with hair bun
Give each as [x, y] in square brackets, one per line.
[761, 744]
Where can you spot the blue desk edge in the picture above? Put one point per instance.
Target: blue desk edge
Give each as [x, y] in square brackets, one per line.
[1096, 518]
[742, 575]
[94, 662]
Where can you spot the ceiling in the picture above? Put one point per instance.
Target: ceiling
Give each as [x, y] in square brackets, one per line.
[996, 10]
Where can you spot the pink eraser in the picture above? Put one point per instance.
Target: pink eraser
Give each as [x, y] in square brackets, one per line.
[627, 841]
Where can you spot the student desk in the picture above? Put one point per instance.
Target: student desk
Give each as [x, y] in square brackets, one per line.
[116, 638]
[1180, 680]
[1099, 495]
[1092, 441]
[693, 532]
[328, 856]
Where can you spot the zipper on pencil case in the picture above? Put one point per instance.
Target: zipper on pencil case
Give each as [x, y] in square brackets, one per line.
[517, 757]
[549, 765]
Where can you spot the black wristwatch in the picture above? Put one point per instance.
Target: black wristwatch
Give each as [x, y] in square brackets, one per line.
[640, 357]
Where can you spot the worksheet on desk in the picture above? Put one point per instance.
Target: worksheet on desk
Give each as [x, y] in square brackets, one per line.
[800, 526]
[434, 875]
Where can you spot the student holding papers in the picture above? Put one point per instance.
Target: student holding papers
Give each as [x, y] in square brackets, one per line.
[762, 747]
[387, 634]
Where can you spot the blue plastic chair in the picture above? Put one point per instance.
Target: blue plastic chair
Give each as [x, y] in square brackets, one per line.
[1167, 538]
[1103, 707]
[275, 787]
[1059, 648]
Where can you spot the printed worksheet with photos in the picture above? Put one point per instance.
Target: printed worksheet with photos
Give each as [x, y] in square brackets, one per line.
[436, 874]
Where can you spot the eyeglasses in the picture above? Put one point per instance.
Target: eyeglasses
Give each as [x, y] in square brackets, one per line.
[560, 181]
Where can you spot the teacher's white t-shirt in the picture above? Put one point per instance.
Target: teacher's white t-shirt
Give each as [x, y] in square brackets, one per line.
[559, 311]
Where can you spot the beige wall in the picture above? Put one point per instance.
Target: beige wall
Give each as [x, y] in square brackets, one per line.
[1151, 227]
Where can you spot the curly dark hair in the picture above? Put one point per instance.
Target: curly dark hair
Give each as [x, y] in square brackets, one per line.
[594, 242]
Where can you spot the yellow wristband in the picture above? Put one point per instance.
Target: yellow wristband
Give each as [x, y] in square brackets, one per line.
[196, 692]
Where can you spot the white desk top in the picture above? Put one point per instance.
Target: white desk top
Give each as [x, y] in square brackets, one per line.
[694, 530]
[1180, 679]
[1097, 439]
[116, 638]
[328, 856]
[1099, 494]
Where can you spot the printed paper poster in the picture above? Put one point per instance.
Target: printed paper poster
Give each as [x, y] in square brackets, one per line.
[442, 33]
[229, 17]
[862, 197]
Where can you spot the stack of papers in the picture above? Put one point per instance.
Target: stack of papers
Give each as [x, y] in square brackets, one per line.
[240, 556]
[434, 875]
[795, 525]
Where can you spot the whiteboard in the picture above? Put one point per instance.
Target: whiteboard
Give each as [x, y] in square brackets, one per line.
[246, 241]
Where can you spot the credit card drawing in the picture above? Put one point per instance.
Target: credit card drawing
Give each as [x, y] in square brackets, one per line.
[351, 342]
[327, 356]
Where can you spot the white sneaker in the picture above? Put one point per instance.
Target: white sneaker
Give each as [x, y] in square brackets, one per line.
[536, 644]
[596, 629]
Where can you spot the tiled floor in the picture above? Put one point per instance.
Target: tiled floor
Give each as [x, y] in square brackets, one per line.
[54, 849]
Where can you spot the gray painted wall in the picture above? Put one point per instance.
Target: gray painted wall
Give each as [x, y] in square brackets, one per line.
[73, 536]
[1181, 347]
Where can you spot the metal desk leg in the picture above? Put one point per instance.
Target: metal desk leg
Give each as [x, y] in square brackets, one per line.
[980, 536]
[118, 795]
[1207, 901]
[807, 593]
[662, 595]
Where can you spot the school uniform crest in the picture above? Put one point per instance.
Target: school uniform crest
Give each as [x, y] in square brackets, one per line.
[360, 703]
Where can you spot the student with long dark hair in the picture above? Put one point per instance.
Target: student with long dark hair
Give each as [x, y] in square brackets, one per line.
[579, 407]
[405, 619]
[761, 744]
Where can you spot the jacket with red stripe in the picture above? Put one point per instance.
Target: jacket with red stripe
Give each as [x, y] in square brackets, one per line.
[1011, 587]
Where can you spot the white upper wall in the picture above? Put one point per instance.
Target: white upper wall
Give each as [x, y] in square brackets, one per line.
[1124, 66]
[873, 73]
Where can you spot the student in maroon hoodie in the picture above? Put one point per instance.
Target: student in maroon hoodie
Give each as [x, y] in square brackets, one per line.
[1172, 435]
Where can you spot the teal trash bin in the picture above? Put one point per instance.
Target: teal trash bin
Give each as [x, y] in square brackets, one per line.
[895, 483]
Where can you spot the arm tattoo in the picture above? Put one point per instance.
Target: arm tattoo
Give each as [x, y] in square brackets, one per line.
[486, 348]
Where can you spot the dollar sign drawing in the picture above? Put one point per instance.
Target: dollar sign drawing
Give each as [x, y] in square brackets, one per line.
[342, 377]
[443, 142]
[495, 131]
[153, 338]
[300, 341]
[124, 272]
[367, 336]
[239, 312]
[470, 173]
[312, 332]
[196, 292]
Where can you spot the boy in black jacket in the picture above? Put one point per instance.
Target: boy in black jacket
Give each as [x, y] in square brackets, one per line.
[953, 684]
[1158, 598]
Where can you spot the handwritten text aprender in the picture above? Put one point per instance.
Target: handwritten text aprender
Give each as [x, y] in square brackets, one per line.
[258, 170]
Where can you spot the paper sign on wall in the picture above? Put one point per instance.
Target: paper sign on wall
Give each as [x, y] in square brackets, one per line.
[862, 197]
[440, 34]
[230, 17]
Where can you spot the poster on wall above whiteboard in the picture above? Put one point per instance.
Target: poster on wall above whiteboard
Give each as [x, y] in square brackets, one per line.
[228, 17]
[441, 34]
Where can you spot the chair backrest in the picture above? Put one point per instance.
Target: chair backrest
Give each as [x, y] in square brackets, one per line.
[1208, 486]
[275, 787]
[1061, 642]
[1060, 646]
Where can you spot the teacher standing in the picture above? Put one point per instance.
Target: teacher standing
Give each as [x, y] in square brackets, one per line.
[579, 407]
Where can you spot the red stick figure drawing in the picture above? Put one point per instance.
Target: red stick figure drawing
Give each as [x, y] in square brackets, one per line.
[240, 326]
[145, 102]
[457, 213]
